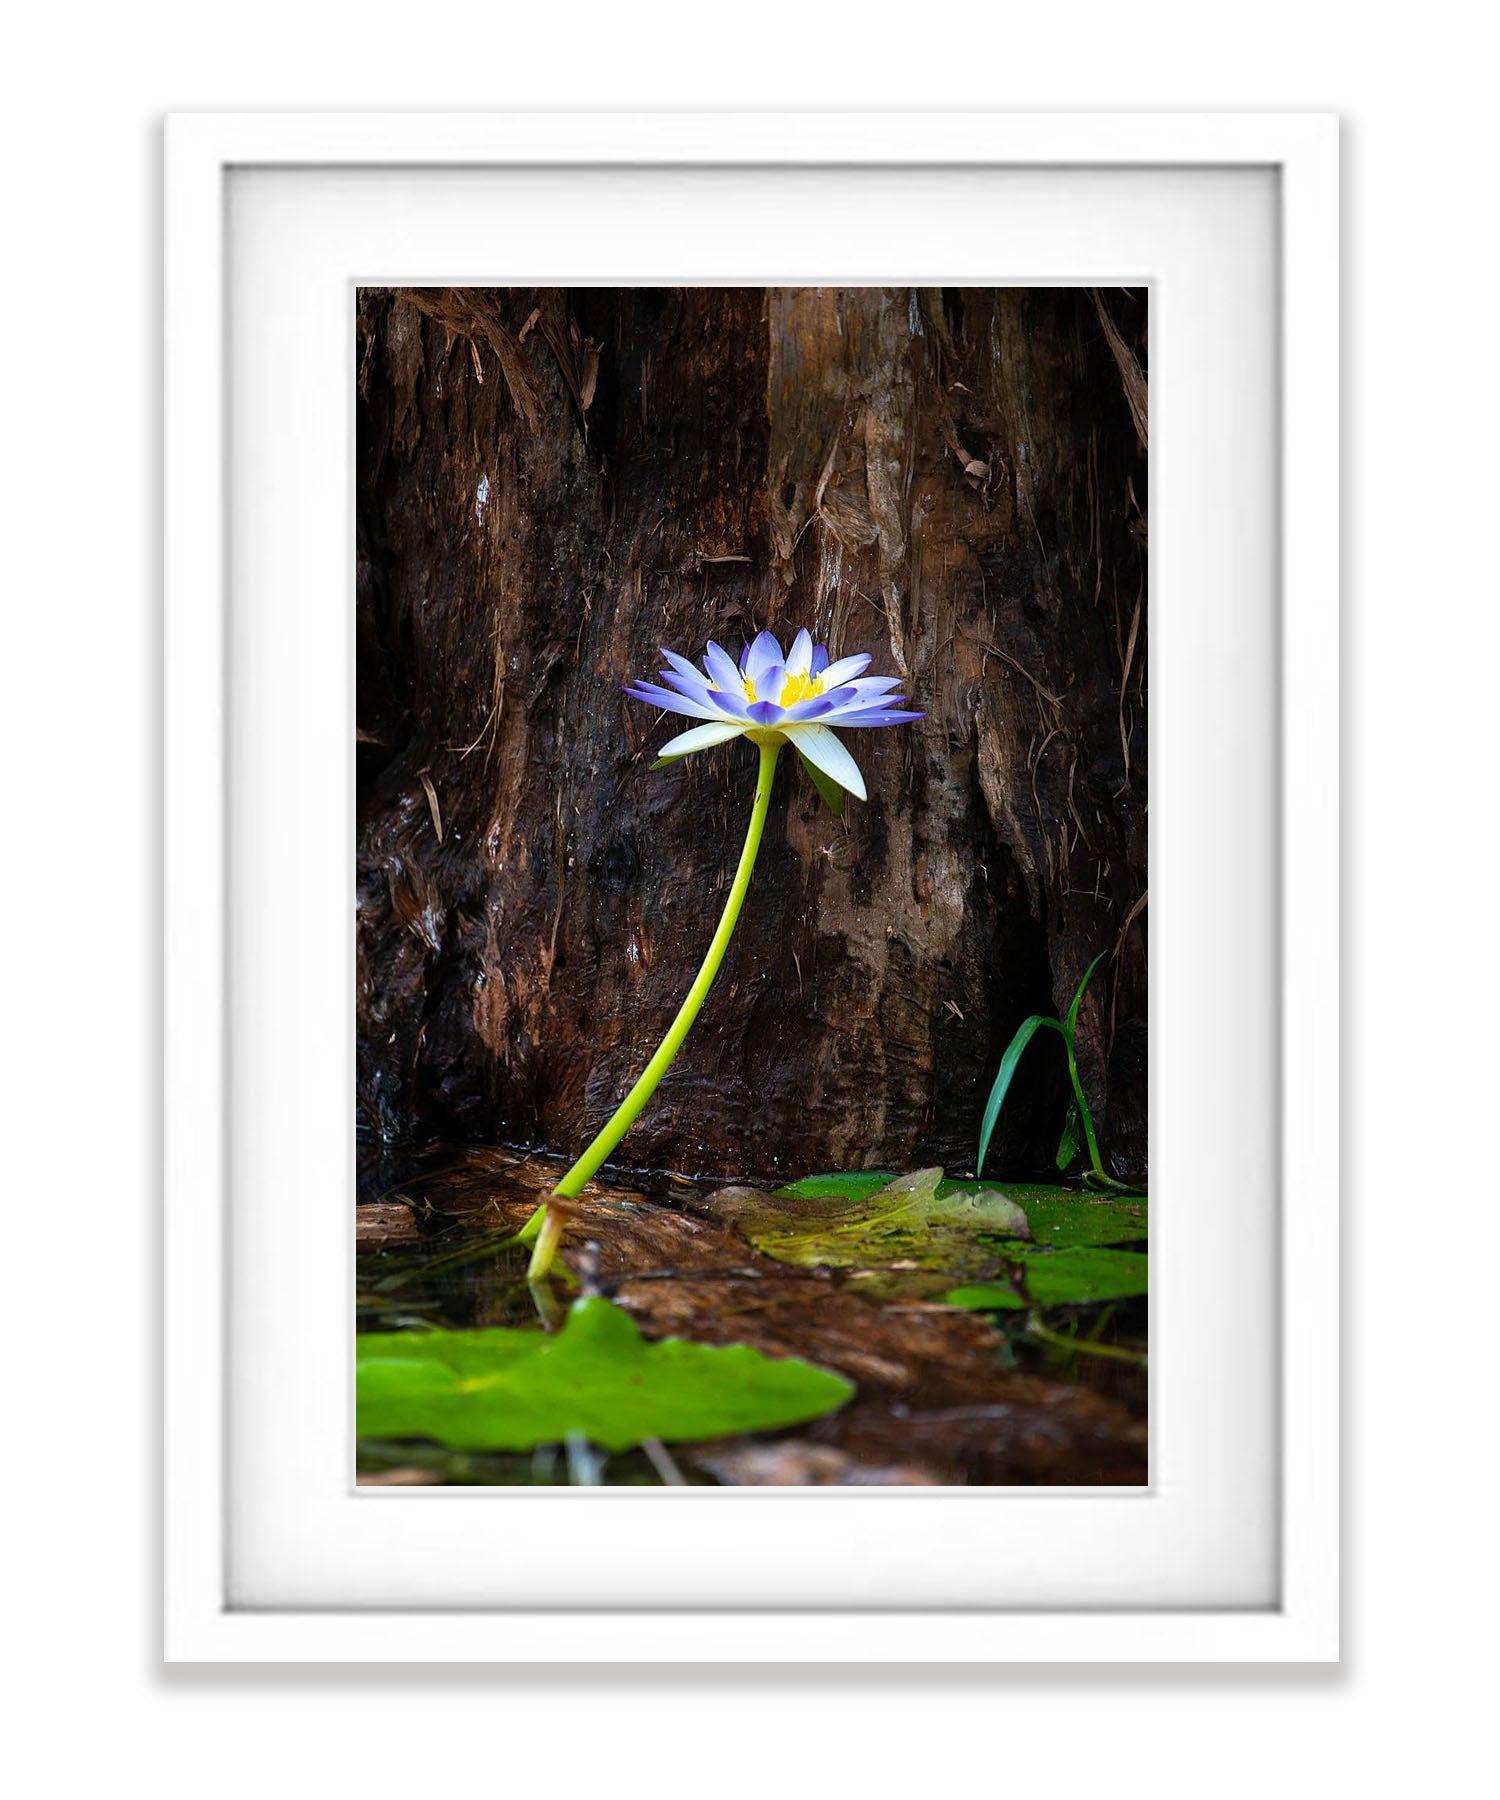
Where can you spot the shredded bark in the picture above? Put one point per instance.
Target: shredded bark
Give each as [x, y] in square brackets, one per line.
[553, 484]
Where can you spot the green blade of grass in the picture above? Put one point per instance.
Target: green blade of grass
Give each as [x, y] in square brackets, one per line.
[1068, 1148]
[1003, 1080]
[1078, 997]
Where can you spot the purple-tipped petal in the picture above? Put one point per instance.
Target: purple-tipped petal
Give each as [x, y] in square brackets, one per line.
[845, 669]
[763, 656]
[849, 699]
[813, 708]
[875, 716]
[772, 684]
[872, 685]
[720, 665]
[883, 703]
[695, 684]
[669, 702]
[720, 704]
[799, 657]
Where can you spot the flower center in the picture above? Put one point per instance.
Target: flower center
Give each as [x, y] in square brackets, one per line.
[801, 687]
[793, 689]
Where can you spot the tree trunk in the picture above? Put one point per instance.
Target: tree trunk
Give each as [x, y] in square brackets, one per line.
[552, 486]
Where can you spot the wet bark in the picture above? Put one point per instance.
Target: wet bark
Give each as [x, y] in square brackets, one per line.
[551, 486]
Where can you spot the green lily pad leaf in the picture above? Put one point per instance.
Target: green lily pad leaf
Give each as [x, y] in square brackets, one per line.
[923, 1194]
[1059, 1216]
[513, 1390]
[918, 1189]
[917, 1236]
[986, 1209]
[857, 1184]
[1067, 1218]
[867, 1223]
[1063, 1278]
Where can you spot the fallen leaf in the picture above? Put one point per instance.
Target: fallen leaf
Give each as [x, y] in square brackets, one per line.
[512, 1390]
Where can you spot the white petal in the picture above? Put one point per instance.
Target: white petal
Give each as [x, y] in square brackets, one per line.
[799, 657]
[874, 684]
[818, 744]
[701, 737]
[845, 669]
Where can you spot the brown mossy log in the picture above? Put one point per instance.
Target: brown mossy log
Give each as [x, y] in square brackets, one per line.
[554, 484]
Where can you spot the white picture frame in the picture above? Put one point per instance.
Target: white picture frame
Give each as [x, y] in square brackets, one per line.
[220, 1607]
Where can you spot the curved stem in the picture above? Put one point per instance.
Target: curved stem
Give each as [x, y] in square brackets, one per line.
[1083, 1346]
[1083, 1109]
[546, 1225]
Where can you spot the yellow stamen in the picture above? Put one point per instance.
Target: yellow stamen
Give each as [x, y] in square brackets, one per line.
[794, 688]
[800, 687]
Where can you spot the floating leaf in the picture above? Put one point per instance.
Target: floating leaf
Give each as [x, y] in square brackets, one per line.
[858, 1184]
[1059, 1216]
[909, 1220]
[513, 1390]
[866, 1198]
[905, 1193]
[1065, 1217]
[985, 1209]
[916, 1236]
[908, 1235]
[1061, 1278]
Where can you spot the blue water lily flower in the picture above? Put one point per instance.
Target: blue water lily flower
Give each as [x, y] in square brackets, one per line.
[774, 696]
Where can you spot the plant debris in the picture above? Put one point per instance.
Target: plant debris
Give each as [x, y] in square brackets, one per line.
[944, 1393]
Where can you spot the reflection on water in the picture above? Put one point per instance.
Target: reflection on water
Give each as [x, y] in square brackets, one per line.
[943, 1396]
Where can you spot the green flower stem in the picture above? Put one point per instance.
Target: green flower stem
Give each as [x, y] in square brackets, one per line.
[545, 1226]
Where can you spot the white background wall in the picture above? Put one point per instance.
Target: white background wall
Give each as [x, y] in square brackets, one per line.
[79, 445]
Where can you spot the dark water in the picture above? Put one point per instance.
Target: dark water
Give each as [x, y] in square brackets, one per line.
[943, 1396]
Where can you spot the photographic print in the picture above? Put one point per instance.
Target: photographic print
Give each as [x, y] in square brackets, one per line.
[751, 861]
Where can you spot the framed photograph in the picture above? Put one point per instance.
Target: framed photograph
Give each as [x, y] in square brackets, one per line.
[752, 842]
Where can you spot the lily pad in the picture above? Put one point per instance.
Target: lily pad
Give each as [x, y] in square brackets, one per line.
[1059, 1278]
[913, 1220]
[1067, 1217]
[905, 1236]
[1059, 1216]
[919, 1236]
[514, 1390]
[857, 1184]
